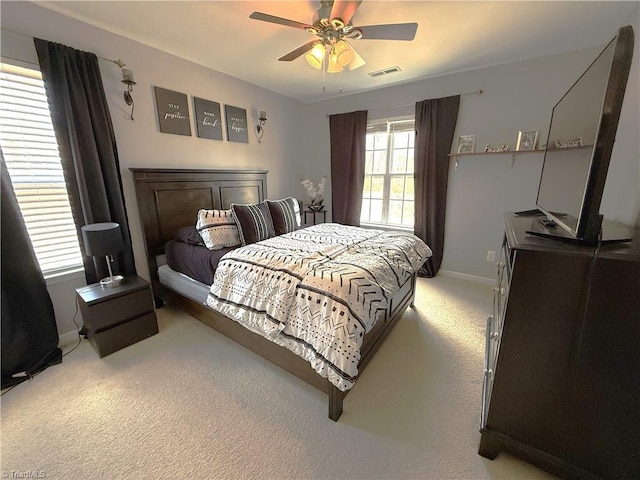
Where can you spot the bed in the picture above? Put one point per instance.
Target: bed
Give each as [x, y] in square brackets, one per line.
[169, 199]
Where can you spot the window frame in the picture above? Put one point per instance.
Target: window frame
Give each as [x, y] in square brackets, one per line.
[380, 126]
[19, 141]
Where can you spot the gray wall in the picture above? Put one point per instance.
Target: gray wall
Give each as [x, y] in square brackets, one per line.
[140, 143]
[518, 96]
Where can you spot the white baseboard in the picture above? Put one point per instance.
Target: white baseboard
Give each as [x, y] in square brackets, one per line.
[466, 276]
[68, 339]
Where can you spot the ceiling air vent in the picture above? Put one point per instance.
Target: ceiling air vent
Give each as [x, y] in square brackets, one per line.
[384, 71]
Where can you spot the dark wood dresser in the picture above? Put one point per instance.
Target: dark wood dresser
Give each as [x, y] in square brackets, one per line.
[562, 363]
[119, 316]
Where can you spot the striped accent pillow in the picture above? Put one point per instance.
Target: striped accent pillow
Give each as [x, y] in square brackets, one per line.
[253, 221]
[285, 214]
[218, 229]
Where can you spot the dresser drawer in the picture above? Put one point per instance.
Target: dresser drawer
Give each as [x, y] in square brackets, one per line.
[124, 334]
[109, 313]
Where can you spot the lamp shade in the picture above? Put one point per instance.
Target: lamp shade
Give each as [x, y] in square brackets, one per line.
[343, 54]
[315, 56]
[102, 239]
[333, 66]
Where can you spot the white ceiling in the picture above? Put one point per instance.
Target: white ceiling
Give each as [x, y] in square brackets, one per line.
[452, 36]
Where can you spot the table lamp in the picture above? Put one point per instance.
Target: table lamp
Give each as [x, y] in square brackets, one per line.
[104, 239]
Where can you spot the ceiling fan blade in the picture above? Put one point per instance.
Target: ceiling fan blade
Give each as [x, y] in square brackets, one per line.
[265, 17]
[298, 51]
[344, 9]
[357, 61]
[394, 31]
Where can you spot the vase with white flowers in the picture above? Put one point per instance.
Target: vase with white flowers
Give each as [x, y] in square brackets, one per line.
[315, 192]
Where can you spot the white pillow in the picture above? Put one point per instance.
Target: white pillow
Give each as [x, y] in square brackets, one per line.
[218, 229]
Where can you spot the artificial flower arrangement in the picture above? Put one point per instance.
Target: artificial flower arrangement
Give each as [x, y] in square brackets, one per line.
[315, 192]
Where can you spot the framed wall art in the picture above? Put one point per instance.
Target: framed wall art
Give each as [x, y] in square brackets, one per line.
[467, 144]
[208, 118]
[236, 120]
[527, 140]
[173, 111]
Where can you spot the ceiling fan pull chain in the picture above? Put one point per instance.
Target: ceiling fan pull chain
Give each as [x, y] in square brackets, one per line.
[324, 73]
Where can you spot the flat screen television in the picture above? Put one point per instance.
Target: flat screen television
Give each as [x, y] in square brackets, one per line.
[581, 137]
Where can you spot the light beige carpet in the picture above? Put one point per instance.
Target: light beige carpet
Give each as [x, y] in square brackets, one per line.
[188, 403]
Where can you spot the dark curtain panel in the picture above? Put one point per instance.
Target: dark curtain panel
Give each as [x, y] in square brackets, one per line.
[29, 331]
[87, 145]
[348, 142]
[435, 126]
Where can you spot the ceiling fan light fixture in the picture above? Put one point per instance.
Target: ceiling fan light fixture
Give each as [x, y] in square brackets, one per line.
[334, 66]
[343, 54]
[315, 56]
[337, 23]
[333, 28]
[355, 34]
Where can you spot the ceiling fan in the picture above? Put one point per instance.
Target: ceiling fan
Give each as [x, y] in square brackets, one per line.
[333, 28]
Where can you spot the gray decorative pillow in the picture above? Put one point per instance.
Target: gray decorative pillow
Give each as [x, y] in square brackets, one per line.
[218, 229]
[285, 214]
[253, 221]
[189, 235]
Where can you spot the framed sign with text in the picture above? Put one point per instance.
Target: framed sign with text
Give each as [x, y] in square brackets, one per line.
[236, 119]
[208, 118]
[173, 111]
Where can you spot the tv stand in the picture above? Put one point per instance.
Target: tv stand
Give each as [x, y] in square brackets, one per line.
[612, 232]
[561, 366]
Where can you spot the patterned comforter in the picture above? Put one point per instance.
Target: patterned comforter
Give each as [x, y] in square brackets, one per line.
[318, 290]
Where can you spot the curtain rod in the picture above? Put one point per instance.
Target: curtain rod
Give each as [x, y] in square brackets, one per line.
[117, 61]
[475, 92]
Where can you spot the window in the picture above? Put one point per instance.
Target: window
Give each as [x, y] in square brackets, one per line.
[387, 197]
[30, 152]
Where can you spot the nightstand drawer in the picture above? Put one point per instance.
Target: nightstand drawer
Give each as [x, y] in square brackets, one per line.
[123, 335]
[109, 313]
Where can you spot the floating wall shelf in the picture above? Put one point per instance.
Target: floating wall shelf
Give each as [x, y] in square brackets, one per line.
[513, 154]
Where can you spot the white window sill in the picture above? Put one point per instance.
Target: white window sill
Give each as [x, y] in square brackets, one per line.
[386, 226]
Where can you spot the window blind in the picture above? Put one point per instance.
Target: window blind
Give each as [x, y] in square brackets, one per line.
[30, 152]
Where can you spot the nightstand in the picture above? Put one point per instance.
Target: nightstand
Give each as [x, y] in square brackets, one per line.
[117, 317]
[314, 214]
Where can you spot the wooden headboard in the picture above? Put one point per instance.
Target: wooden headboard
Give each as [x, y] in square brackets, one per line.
[170, 198]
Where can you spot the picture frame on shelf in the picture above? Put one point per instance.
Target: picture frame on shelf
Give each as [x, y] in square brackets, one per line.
[527, 140]
[467, 144]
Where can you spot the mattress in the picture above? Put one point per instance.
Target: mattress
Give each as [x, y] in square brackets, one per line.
[183, 284]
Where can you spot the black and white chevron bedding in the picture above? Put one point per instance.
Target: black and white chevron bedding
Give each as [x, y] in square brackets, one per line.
[318, 290]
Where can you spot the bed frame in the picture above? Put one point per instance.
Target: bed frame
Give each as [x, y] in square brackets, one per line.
[170, 198]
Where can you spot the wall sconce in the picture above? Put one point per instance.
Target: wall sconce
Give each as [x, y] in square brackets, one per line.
[127, 79]
[104, 239]
[262, 119]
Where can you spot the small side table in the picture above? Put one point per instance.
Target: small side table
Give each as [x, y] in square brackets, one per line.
[117, 317]
[314, 215]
